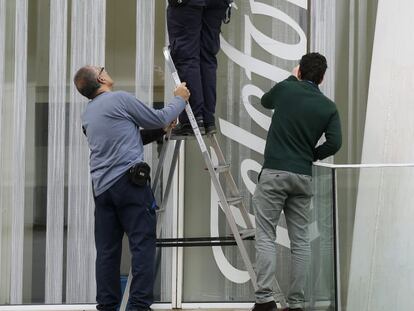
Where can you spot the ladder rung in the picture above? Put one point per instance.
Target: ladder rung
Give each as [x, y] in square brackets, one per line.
[187, 137]
[196, 244]
[197, 241]
[183, 137]
[220, 168]
[235, 200]
[246, 234]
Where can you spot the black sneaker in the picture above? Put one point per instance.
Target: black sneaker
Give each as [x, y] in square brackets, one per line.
[267, 306]
[185, 129]
[210, 129]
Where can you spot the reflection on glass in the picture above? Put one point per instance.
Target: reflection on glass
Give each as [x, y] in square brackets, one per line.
[249, 64]
[321, 286]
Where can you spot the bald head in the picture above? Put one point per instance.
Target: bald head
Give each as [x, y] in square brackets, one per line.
[86, 81]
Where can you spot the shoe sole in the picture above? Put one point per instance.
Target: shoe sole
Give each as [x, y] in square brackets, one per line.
[211, 132]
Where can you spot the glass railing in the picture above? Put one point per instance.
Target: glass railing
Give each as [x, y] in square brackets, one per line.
[320, 290]
[362, 249]
[363, 228]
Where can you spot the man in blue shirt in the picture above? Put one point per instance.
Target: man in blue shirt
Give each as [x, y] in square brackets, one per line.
[111, 123]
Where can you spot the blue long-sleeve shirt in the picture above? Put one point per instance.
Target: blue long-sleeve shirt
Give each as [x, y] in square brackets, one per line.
[111, 122]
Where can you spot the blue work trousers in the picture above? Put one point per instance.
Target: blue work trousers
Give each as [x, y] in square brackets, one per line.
[194, 34]
[128, 208]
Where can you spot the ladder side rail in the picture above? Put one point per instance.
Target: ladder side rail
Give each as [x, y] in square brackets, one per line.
[232, 184]
[220, 156]
[229, 216]
[215, 180]
[161, 162]
[125, 297]
[160, 217]
[188, 109]
[168, 186]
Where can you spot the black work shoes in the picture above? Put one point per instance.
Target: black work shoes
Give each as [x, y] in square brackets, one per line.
[185, 129]
[210, 128]
[267, 306]
[271, 306]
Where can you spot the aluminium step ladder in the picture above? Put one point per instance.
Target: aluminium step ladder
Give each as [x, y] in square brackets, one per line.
[234, 199]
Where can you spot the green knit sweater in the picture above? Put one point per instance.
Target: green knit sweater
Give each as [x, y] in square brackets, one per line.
[301, 115]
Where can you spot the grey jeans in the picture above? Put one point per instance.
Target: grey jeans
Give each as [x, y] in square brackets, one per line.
[291, 193]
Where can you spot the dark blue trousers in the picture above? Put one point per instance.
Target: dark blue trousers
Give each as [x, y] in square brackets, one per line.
[127, 208]
[194, 34]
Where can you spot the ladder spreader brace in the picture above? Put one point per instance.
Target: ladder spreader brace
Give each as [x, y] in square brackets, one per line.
[198, 241]
[225, 202]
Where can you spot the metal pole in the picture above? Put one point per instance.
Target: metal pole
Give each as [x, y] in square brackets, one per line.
[337, 270]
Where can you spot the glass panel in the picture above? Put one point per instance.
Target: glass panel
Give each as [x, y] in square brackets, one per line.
[87, 47]
[320, 290]
[128, 34]
[13, 138]
[8, 59]
[36, 152]
[121, 42]
[57, 129]
[249, 64]
[375, 223]
[347, 190]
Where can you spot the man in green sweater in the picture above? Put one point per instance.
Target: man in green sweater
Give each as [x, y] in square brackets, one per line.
[301, 115]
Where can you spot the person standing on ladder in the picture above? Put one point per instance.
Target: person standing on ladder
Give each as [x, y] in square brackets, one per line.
[123, 198]
[194, 34]
[302, 114]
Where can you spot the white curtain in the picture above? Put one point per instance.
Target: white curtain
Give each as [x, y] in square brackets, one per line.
[2, 61]
[145, 58]
[18, 152]
[322, 39]
[56, 151]
[168, 255]
[3, 271]
[88, 47]
[13, 91]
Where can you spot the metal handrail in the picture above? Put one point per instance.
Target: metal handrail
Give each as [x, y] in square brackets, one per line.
[371, 165]
[334, 169]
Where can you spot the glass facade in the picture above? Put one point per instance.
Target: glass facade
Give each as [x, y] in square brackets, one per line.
[261, 44]
[46, 208]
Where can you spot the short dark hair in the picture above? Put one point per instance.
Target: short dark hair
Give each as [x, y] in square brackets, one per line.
[313, 67]
[86, 81]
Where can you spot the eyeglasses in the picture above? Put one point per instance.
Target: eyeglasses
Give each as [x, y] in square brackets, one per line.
[100, 71]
